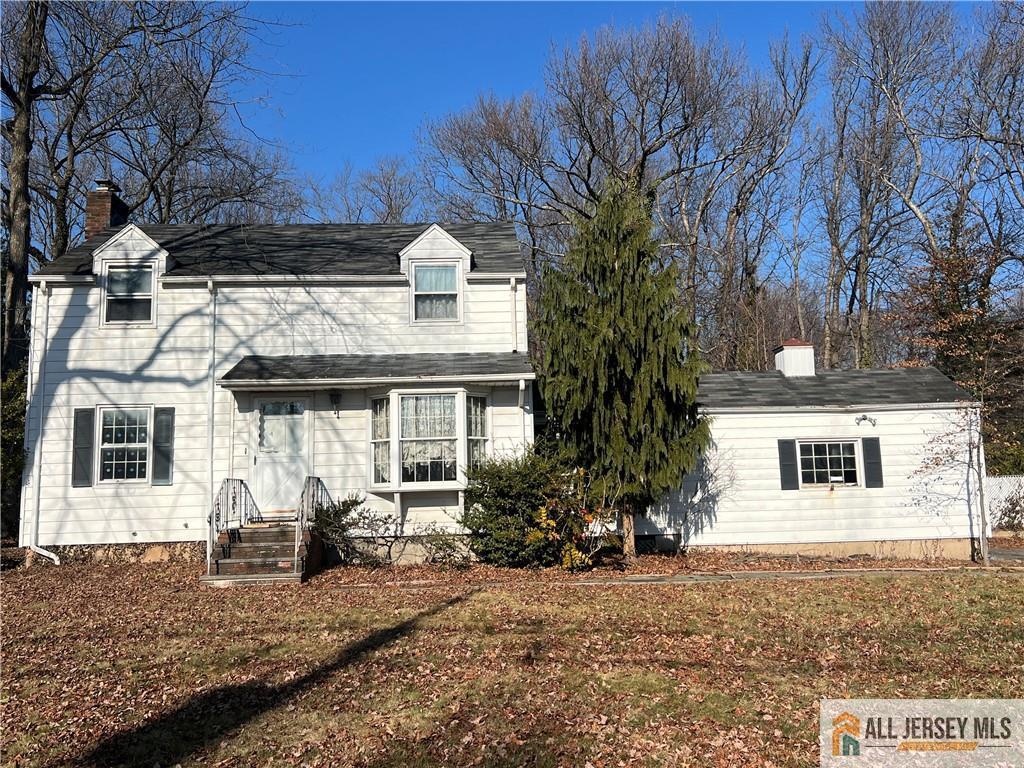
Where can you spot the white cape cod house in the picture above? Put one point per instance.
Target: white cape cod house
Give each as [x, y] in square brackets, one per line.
[189, 381]
[256, 366]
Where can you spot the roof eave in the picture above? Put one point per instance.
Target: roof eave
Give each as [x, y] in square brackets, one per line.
[65, 279]
[375, 381]
[201, 280]
[877, 407]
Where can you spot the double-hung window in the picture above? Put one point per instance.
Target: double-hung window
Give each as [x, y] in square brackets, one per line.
[476, 430]
[428, 438]
[380, 439]
[129, 295]
[435, 292]
[828, 463]
[124, 443]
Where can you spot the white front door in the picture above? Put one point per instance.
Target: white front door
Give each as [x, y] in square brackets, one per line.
[282, 452]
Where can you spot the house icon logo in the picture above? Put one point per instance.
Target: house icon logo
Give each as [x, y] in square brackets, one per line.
[846, 735]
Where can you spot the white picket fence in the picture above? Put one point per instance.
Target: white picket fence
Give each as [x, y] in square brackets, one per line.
[998, 489]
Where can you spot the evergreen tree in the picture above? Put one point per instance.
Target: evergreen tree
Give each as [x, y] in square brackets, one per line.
[619, 365]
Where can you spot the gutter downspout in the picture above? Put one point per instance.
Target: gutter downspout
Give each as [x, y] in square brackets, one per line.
[38, 457]
[209, 426]
[515, 319]
[522, 412]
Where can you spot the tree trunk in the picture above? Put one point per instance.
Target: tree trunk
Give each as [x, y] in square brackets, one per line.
[15, 336]
[628, 533]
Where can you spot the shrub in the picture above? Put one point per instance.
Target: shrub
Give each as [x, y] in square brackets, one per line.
[13, 443]
[444, 548]
[532, 511]
[1011, 513]
[346, 525]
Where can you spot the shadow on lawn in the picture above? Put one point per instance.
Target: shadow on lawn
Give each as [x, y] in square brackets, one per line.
[209, 717]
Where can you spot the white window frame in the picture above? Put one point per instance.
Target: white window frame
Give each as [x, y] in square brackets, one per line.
[373, 442]
[397, 485]
[858, 458]
[486, 439]
[458, 438]
[457, 266]
[152, 295]
[98, 446]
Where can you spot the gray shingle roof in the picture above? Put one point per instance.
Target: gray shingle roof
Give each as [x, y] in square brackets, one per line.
[898, 386]
[466, 365]
[300, 249]
[874, 387]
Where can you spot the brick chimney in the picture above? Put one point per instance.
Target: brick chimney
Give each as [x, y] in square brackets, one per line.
[795, 357]
[104, 209]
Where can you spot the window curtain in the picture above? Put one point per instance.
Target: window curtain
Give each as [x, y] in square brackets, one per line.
[428, 416]
[436, 293]
[435, 279]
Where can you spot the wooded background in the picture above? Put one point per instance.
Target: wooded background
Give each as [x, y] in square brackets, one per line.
[865, 191]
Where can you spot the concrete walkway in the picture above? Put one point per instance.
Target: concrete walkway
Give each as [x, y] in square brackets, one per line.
[695, 578]
[1008, 554]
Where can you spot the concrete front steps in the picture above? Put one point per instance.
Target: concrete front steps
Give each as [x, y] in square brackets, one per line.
[260, 553]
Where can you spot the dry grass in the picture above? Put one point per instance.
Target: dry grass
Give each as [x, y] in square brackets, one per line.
[139, 665]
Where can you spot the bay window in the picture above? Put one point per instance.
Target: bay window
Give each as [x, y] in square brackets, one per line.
[425, 438]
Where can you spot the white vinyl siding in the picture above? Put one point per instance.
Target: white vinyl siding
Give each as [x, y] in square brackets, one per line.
[926, 495]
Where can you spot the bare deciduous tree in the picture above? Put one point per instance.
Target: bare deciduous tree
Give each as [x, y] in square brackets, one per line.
[388, 192]
[141, 92]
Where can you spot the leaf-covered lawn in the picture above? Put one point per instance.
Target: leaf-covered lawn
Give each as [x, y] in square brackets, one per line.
[140, 665]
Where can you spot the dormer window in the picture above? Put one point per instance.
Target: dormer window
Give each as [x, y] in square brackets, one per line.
[435, 292]
[129, 295]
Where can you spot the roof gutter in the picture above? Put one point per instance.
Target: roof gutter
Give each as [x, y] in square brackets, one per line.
[262, 384]
[37, 279]
[843, 408]
[203, 281]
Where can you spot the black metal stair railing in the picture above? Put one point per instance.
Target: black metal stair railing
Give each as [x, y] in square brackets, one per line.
[233, 507]
[314, 495]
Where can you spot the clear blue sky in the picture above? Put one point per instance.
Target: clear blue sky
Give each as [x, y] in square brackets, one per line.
[357, 80]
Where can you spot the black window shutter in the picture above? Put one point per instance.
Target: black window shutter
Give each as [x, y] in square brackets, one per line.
[163, 446]
[872, 462]
[787, 465]
[81, 447]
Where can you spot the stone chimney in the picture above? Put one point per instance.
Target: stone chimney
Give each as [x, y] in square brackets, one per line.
[795, 357]
[104, 209]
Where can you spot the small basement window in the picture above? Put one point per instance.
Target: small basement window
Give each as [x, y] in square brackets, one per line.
[129, 295]
[828, 463]
[435, 292]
